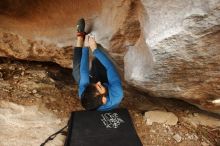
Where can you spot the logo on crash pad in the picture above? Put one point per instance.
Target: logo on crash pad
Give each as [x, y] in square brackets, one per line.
[111, 120]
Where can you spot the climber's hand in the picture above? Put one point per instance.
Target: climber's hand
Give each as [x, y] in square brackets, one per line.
[92, 42]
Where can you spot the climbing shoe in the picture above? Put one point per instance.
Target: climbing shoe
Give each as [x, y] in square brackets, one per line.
[81, 27]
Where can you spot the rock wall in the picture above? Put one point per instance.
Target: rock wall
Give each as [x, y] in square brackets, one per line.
[184, 40]
[167, 48]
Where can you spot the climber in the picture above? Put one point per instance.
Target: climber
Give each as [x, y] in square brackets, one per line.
[99, 86]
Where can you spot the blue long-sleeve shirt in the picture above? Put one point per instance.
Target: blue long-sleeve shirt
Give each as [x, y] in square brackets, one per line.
[115, 91]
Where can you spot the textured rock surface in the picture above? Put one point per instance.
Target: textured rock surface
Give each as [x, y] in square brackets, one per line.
[12, 45]
[167, 48]
[200, 119]
[184, 41]
[163, 117]
[29, 125]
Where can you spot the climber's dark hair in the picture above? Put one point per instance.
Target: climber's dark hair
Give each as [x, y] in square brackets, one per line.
[91, 99]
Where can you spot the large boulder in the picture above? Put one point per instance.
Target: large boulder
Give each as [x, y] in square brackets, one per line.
[168, 48]
[183, 38]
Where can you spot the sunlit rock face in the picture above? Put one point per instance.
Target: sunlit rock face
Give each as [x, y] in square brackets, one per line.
[168, 48]
[184, 40]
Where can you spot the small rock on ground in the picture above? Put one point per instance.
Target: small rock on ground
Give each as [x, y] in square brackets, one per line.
[164, 117]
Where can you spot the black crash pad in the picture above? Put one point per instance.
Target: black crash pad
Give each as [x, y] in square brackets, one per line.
[96, 128]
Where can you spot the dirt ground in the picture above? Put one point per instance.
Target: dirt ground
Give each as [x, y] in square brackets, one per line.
[36, 83]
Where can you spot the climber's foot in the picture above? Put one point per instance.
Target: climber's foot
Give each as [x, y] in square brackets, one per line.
[80, 27]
